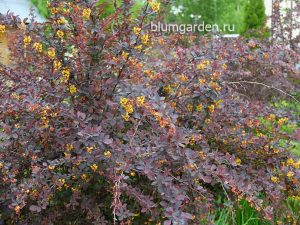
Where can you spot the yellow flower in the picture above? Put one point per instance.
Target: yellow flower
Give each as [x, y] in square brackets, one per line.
[138, 48]
[126, 117]
[238, 161]
[190, 107]
[129, 108]
[274, 179]
[125, 55]
[199, 107]
[60, 34]
[69, 147]
[202, 81]
[83, 176]
[66, 73]
[290, 174]
[86, 13]
[224, 66]
[57, 65]
[290, 162]
[211, 108]
[155, 6]
[61, 180]
[2, 28]
[107, 154]
[61, 21]
[51, 53]
[27, 40]
[132, 174]
[94, 167]
[201, 66]
[89, 149]
[38, 47]
[17, 209]
[145, 39]
[168, 89]
[281, 121]
[53, 10]
[1, 165]
[136, 30]
[123, 101]
[140, 100]
[51, 167]
[72, 89]
[271, 117]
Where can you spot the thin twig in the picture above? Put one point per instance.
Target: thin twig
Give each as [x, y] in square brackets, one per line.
[265, 85]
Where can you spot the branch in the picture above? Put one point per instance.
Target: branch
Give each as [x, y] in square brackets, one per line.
[267, 86]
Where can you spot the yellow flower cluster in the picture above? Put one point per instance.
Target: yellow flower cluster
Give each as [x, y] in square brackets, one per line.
[271, 117]
[290, 174]
[211, 108]
[155, 6]
[89, 149]
[94, 167]
[168, 89]
[60, 34]
[56, 65]
[2, 28]
[137, 30]
[38, 47]
[72, 89]
[65, 74]
[61, 21]
[203, 65]
[145, 39]
[125, 55]
[140, 100]
[86, 13]
[27, 41]
[238, 161]
[138, 48]
[107, 154]
[281, 121]
[69, 147]
[190, 107]
[51, 53]
[128, 107]
[274, 179]
[199, 107]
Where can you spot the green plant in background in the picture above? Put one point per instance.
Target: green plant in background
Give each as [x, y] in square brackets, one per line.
[42, 7]
[255, 19]
[212, 12]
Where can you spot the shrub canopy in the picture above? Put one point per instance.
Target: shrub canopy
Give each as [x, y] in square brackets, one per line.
[103, 122]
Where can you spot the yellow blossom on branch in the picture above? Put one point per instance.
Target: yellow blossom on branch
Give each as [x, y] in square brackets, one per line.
[155, 6]
[107, 154]
[38, 47]
[51, 53]
[27, 41]
[72, 89]
[60, 34]
[2, 28]
[125, 55]
[145, 39]
[86, 13]
[140, 100]
[136, 30]
[238, 161]
[94, 167]
[275, 179]
[57, 65]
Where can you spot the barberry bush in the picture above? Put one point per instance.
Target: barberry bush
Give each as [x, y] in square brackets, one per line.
[103, 122]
